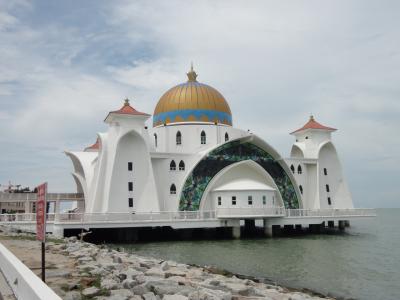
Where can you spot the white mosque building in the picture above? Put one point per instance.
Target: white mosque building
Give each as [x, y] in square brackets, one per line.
[193, 159]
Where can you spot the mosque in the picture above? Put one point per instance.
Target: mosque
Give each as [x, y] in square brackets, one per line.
[194, 159]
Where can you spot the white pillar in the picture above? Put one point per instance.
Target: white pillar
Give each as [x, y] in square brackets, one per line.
[236, 232]
[267, 228]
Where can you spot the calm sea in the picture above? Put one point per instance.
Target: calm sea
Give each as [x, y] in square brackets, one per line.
[363, 263]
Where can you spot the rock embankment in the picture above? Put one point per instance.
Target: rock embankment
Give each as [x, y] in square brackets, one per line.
[109, 274]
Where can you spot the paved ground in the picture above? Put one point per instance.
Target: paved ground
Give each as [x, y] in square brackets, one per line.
[58, 267]
[5, 290]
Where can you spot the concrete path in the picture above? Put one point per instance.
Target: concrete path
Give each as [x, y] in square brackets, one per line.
[5, 291]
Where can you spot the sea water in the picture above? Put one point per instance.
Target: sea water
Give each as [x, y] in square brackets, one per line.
[362, 263]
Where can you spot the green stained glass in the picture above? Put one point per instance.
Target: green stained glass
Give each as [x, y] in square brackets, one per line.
[226, 155]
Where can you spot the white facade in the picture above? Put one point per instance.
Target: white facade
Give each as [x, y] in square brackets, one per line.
[135, 169]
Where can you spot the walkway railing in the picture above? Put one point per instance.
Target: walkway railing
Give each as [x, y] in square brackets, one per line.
[112, 217]
[238, 212]
[33, 196]
[351, 212]
[221, 213]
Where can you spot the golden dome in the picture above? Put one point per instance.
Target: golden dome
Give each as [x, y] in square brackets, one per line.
[192, 101]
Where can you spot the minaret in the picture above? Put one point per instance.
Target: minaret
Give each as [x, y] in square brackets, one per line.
[317, 168]
[124, 179]
[309, 137]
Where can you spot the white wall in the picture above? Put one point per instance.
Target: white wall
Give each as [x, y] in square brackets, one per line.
[338, 191]
[314, 151]
[248, 170]
[24, 283]
[191, 141]
[242, 198]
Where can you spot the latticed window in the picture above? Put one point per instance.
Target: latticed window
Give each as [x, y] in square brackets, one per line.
[172, 165]
[299, 170]
[226, 137]
[172, 189]
[203, 138]
[178, 138]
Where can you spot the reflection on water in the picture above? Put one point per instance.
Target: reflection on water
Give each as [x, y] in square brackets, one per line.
[363, 263]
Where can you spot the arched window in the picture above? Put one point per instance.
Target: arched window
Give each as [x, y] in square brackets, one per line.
[178, 138]
[203, 138]
[155, 140]
[172, 189]
[301, 189]
[292, 168]
[226, 137]
[181, 166]
[172, 165]
[325, 171]
[299, 171]
[327, 188]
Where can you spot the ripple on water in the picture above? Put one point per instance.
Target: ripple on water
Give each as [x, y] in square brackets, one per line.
[363, 263]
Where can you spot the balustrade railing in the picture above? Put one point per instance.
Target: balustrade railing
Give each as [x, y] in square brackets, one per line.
[356, 212]
[188, 215]
[250, 211]
[33, 196]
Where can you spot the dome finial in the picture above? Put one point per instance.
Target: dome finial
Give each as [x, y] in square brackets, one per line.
[192, 74]
[126, 102]
[311, 117]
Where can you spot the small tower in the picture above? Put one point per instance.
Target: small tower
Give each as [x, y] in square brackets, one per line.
[317, 168]
[309, 137]
[124, 179]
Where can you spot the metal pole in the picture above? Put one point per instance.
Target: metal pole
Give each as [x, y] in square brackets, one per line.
[43, 263]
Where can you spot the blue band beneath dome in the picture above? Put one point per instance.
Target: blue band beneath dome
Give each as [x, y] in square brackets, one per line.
[201, 115]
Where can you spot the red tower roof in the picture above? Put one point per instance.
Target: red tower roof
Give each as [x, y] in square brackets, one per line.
[312, 124]
[94, 147]
[127, 109]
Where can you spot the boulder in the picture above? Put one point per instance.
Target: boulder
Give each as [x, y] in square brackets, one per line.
[117, 259]
[130, 274]
[239, 289]
[121, 294]
[155, 272]
[128, 283]
[207, 294]
[74, 295]
[140, 289]
[164, 266]
[163, 287]
[109, 284]
[91, 292]
[149, 296]
[175, 272]
[175, 297]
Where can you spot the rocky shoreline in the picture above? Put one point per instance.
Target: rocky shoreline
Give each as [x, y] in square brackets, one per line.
[89, 271]
[109, 274]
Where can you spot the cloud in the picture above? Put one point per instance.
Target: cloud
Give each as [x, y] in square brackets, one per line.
[275, 62]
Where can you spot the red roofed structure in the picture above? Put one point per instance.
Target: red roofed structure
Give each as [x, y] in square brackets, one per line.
[94, 147]
[127, 109]
[312, 124]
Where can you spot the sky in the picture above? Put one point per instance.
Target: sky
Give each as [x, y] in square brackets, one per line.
[65, 64]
